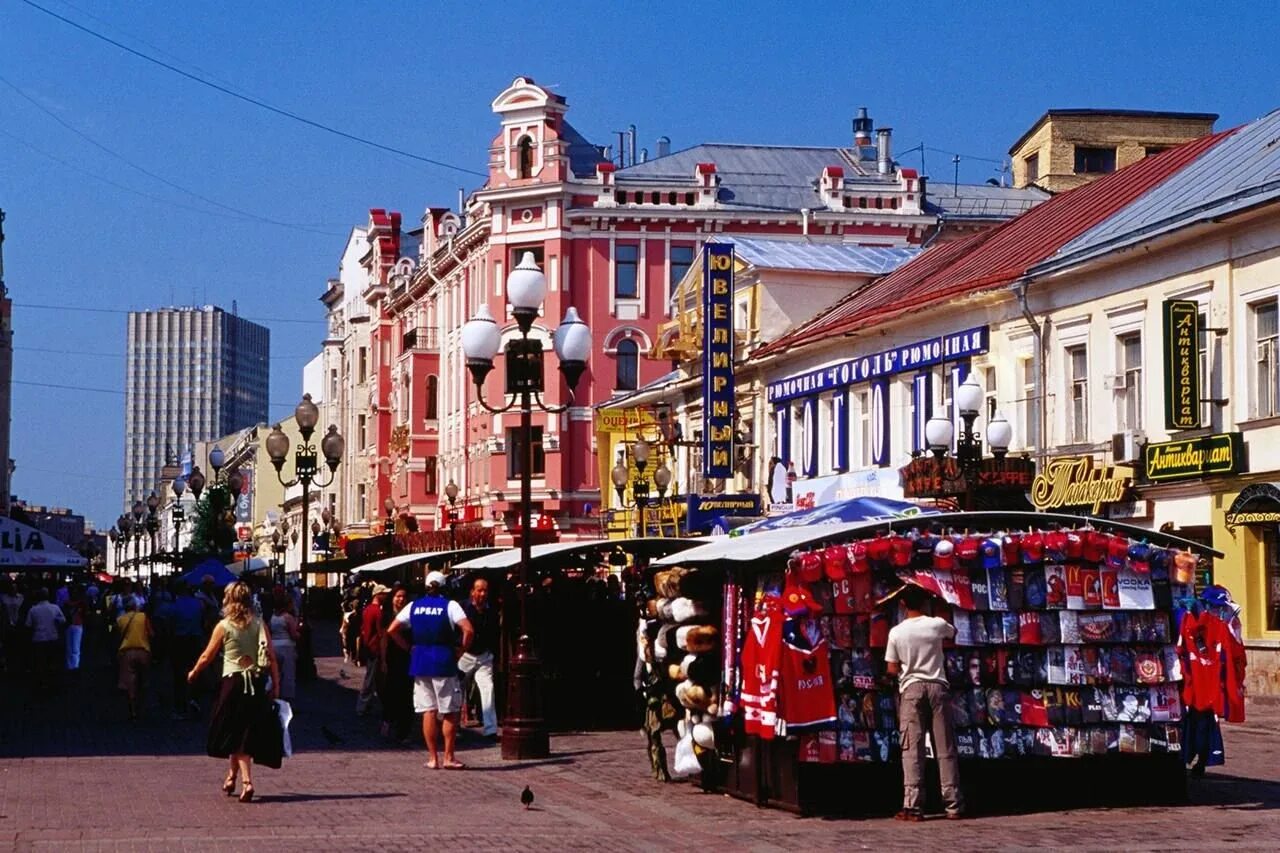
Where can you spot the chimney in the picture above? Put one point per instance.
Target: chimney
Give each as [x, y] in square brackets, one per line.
[644, 155]
[631, 143]
[862, 129]
[884, 151]
[664, 146]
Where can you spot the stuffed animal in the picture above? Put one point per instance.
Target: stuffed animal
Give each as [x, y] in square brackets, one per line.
[666, 646]
[684, 610]
[704, 736]
[697, 638]
[695, 697]
[667, 583]
[703, 668]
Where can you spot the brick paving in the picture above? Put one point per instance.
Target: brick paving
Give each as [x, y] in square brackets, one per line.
[75, 776]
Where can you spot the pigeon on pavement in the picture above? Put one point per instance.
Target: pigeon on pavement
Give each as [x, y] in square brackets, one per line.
[526, 797]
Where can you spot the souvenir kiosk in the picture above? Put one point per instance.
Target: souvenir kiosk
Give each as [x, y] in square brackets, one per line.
[1065, 660]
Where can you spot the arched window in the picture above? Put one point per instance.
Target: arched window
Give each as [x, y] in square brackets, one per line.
[433, 402]
[524, 153]
[628, 355]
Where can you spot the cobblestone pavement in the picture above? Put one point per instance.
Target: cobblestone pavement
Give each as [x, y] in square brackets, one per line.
[75, 776]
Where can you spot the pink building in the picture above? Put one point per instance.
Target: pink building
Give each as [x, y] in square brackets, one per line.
[613, 235]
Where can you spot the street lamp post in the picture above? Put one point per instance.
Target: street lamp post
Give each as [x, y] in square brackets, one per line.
[939, 433]
[451, 492]
[390, 506]
[179, 515]
[304, 458]
[524, 730]
[640, 485]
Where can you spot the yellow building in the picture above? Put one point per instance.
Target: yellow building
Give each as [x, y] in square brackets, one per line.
[1067, 148]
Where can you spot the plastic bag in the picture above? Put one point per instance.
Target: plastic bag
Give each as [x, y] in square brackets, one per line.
[686, 763]
[285, 712]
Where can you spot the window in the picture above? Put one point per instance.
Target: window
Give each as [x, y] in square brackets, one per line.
[828, 435]
[362, 502]
[1033, 167]
[1095, 161]
[989, 383]
[681, 260]
[524, 157]
[627, 355]
[333, 385]
[1028, 416]
[864, 429]
[430, 465]
[433, 397]
[621, 196]
[1078, 395]
[1153, 150]
[362, 423]
[1266, 379]
[799, 441]
[1272, 548]
[626, 262]
[362, 375]
[514, 454]
[1130, 398]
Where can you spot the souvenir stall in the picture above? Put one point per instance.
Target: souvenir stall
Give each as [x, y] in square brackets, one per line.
[1081, 645]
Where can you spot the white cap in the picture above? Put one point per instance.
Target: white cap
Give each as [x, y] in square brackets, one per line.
[435, 579]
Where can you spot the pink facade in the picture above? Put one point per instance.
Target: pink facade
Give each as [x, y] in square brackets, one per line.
[612, 240]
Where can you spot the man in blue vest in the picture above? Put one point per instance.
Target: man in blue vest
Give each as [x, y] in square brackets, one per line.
[433, 663]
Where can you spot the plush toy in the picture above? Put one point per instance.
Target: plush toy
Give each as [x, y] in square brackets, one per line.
[684, 610]
[704, 736]
[666, 646]
[697, 638]
[704, 669]
[667, 583]
[675, 671]
[695, 697]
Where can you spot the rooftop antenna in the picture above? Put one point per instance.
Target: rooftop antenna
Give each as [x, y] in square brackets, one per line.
[955, 183]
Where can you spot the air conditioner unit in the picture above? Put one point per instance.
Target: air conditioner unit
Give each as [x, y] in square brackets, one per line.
[1115, 382]
[1127, 446]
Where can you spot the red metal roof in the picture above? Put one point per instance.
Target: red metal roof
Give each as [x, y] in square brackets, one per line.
[996, 257]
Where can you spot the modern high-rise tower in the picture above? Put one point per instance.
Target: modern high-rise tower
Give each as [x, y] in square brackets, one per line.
[193, 374]
[6, 379]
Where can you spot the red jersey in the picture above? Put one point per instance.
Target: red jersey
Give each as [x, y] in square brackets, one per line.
[761, 656]
[808, 696]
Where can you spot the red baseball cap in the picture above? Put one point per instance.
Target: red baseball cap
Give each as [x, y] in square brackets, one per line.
[1012, 546]
[1117, 552]
[835, 562]
[810, 567]
[1032, 547]
[1095, 546]
[878, 550]
[900, 549]
[856, 553]
[1075, 545]
[944, 556]
[1055, 546]
[967, 550]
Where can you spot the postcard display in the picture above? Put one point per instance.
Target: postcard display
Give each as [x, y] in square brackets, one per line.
[1065, 644]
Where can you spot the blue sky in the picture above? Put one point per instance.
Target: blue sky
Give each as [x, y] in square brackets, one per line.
[86, 230]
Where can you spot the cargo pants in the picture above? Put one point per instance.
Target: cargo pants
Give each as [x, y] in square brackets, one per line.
[923, 706]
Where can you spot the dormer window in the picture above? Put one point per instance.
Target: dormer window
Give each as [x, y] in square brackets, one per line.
[524, 157]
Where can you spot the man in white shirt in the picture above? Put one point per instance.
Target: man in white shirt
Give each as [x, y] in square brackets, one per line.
[914, 654]
[44, 619]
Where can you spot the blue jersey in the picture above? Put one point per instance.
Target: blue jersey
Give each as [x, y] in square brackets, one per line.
[433, 638]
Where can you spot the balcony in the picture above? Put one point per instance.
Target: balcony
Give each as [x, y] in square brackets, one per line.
[420, 340]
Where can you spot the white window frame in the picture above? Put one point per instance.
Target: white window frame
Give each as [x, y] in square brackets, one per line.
[1129, 400]
[1077, 389]
[1260, 407]
[863, 433]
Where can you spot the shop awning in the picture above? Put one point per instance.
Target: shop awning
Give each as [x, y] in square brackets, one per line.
[777, 543]
[433, 559]
[648, 546]
[23, 547]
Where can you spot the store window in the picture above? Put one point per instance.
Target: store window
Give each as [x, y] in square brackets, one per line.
[1266, 379]
[864, 429]
[626, 274]
[514, 454]
[1129, 386]
[1078, 394]
[1271, 545]
[1095, 161]
[627, 355]
[799, 434]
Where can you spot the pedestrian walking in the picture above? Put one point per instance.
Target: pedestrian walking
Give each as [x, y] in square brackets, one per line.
[430, 623]
[476, 664]
[396, 693]
[77, 613]
[284, 637]
[243, 728]
[133, 656]
[45, 619]
[369, 646]
[11, 601]
[914, 654]
[186, 632]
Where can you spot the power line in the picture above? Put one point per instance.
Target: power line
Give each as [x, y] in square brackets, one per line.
[251, 100]
[46, 307]
[123, 355]
[244, 213]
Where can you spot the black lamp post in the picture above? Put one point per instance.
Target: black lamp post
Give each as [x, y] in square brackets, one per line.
[451, 492]
[179, 515]
[524, 732]
[640, 485]
[153, 527]
[939, 432]
[304, 458]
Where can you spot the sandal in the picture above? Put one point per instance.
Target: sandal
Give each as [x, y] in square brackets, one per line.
[229, 785]
[246, 793]
[454, 765]
[909, 815]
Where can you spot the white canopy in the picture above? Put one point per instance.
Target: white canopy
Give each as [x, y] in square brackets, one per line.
[760, 546]
[436, 557]
[24, 547]
[510, 558]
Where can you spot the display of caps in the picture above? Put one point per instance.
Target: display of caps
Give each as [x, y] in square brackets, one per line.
[859, 561]
[835, 562]
[810, 567]
[968, 551]
[879, 550]
[1184, 567]
[1055, 546]
[1117, 552]
[1095, 546]
[1074, 549]
[1159, 560]
[1139, 558]
[944, 555]
[900, 550]
[1032, 548]
[992, 553]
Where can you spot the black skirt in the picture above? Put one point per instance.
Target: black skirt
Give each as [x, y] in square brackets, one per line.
[244, 721]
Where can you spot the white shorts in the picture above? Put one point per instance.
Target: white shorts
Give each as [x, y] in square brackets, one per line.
[437, 694]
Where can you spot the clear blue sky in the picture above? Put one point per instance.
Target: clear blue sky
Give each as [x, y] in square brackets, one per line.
[420, 77]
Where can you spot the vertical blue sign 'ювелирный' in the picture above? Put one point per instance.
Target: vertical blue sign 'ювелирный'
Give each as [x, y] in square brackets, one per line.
[717, 360]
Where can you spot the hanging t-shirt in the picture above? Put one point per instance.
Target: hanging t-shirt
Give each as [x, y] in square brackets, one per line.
[807, 697]
[761, 657]
[1135, 590]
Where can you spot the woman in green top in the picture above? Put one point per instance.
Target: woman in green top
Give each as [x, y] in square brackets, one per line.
[243, 727]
